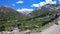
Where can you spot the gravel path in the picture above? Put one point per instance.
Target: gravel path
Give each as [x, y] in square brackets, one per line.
[55, 29]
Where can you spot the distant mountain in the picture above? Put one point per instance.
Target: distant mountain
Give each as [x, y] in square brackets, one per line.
[10, 18]
[7, 13]
[52, 7]
[45, 10]
[25, 11]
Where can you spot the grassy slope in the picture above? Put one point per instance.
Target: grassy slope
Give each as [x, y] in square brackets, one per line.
[23, 24]
[10, 17]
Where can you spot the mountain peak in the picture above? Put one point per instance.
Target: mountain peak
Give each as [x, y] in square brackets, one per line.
[3, 8]
[52, 7]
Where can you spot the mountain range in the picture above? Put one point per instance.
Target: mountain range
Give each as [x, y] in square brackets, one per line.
[38, 17]
[46, 10]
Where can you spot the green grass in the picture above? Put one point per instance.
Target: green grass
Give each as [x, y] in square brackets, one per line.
[32, 24]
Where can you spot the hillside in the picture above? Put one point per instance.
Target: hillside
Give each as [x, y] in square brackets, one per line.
[9, 17]
[47, 9]
[9, 13]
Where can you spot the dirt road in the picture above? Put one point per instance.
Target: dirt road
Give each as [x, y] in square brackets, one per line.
[55, 29]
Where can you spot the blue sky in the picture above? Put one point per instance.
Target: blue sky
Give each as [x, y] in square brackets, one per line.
[23, 4]
[27, 4]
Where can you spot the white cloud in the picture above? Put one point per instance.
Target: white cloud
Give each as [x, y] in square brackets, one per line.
[54, 2]
[50, 2]
[19, 2]
[25, 10]
[43, 3]
[35, 5]
[39, 4]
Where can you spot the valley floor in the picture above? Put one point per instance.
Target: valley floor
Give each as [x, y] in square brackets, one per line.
[54, 29]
